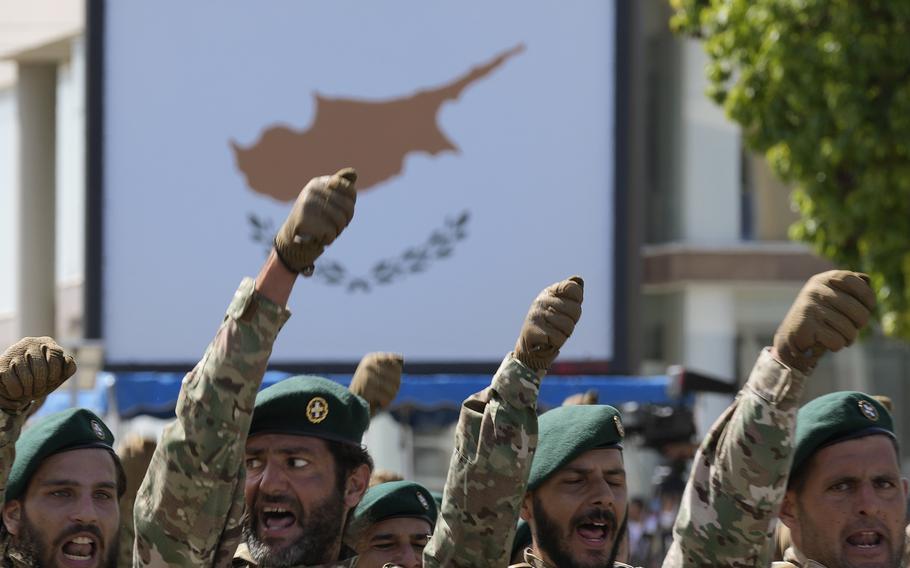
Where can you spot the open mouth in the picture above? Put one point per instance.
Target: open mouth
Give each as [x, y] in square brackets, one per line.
[276, 518]
[80, 548]
[866, 540]
[594, 533]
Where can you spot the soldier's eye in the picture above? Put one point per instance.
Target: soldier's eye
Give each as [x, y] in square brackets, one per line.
[298, 462]
[384, 546]
[103, 495]
[64, 493]
[253, 463]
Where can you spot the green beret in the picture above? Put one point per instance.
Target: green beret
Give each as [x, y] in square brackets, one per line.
[395, 499]
[837, 417]
[311, 406]
[72, 429]
[566, 432]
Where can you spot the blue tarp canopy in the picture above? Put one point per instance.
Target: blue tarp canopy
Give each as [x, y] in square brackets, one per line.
[155, 393]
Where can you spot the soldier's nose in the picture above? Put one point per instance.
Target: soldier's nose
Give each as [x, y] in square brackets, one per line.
[273, 480]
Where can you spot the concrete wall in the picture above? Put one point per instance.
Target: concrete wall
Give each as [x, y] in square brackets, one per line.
[9, 159]
[70, 195]
[42, 157]
[709, 149]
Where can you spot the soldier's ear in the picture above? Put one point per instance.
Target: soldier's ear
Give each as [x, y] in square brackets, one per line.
[357, 483]
[12, 516]
[526, 509]
[789, 511]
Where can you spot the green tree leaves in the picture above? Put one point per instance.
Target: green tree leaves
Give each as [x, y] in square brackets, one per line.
[822, 88]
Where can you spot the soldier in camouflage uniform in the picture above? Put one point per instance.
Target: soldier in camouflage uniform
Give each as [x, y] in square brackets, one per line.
[845, 503]
[495, 475]
[576, 495]
[190, 508]
[392, 525]
[60, 479]
[495, 439]
[306, 470]
[740, 474]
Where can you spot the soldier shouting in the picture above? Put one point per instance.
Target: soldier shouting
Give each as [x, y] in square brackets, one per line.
[495, 440]
[834, 468]
[62, 481]
[190, 508]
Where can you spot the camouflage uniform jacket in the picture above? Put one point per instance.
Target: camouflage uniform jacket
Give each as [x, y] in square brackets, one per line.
[10, 428]
[495, 439]
[793, 558]
[532, 561]
[189, 506]
[11, 558]
[739, 476]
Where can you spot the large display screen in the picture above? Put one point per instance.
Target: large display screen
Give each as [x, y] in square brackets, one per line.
[483, 134]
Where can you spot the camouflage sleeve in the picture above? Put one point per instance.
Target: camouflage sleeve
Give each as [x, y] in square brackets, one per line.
[740, 474]
[188, 507]
[10, 427]
[495, 441]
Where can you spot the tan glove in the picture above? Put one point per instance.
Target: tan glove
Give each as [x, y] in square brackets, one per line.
[322, 211]
[377, 379]
[30, 370]
[826, 316]
[582, 398]
[549, 323]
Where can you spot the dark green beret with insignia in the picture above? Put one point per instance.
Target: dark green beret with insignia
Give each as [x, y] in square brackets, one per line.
[306, 405]
[395, 499]
[73, 429]
[566, 432]
[837, 417]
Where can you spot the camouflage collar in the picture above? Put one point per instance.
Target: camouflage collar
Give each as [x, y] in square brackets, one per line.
[9, 556]
[797, 558]
[243, 558]
[532, 561]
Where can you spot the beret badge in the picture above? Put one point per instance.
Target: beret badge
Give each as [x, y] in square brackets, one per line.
[619, 427]
[317, 410]
[868, 410]
[96, 428]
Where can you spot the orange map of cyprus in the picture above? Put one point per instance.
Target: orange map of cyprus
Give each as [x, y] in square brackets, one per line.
[372, 136]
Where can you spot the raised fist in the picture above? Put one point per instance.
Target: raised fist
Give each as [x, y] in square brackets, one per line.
[322, 211]
[549, 323]
[30, 370]
[377, 379]
[826, 316]
[590, 396]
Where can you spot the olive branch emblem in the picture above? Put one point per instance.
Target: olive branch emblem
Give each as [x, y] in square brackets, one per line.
[413, 260]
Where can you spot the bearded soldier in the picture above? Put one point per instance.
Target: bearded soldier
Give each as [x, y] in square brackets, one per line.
[575, 504]
[61, 480]
[190, 505]
[495, 439]
[306, 470]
